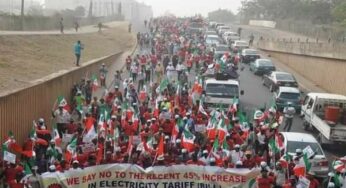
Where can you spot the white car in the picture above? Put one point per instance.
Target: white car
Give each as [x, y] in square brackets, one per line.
[223, 29]
[212, 40]
[239, 45]
[293, 141]
[230, 37]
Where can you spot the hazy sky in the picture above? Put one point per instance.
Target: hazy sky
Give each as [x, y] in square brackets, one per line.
[190, 7]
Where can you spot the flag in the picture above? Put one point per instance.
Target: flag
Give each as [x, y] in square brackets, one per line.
[338, 166]
[222, 129]
[279, 142]
[234, 106]
[201, 109]
[9, 157]
[62, 101]
[90, 135]
[10, 144]
[71, 149]
[274, 148]
[306, 162]
[211, 127]
[188, 140]
[163, 85]
[95, 84]
[160, 148]
[56, 136]
[175, 132]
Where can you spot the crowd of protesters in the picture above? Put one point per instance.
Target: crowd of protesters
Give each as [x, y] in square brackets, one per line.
[153, 114]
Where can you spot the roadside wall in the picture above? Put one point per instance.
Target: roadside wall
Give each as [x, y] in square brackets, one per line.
[262, 23]
[310, 61]
[310, 48]
[19, 108]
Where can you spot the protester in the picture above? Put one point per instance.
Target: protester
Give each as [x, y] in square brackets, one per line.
[160, 103]
[78, 47]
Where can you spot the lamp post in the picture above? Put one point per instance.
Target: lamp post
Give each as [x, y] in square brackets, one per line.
[22, 16]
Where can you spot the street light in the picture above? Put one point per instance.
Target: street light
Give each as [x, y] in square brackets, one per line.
[22, 16]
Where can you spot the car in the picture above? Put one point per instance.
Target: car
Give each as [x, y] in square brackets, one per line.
[249, 55]
[218, 25]
[220, 50]
[284, 95]
[262, 66]
[276, 79]
[230, 37]
[293, 141]
[212, 41]
[239, 45]
[209, 32]
[223, 29]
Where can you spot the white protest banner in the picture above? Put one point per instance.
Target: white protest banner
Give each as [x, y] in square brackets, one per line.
[303, 182]
[9, 157]
[200, 128]
[128, 175]
[88, 147]
[308, 150]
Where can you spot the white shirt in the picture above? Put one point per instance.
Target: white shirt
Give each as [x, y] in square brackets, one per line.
[261, 138]
[289, 112]
[236, 156]
[62, 116]
[180, 67]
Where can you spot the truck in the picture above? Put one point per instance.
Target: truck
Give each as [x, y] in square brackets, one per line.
[313, 114]
[221, 93]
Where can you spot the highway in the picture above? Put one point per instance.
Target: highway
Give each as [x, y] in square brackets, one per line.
[256, 95]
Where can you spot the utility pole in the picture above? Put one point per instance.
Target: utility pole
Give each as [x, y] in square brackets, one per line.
[22, 16]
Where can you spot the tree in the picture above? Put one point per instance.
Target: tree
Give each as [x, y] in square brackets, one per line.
[339, 12]
[35, 10]
[80, 11]
[221, 15]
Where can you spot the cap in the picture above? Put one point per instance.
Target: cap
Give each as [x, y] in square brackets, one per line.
[248, 152]
[185, 118]
[149, 121]
[237, 146]
[212, 159]
[331, 185]
[331, 174]
[176, 116]
[299, 150]
[114, 117]
[188, 113]
[166, 137]
[34, 168]
[178, 141]
[61, 105]
[153, 119]
[116, 87]
[52, 141]
[75, 162]
[52, 167]
[205, 151]
[263, 164]
[239, 163]
[184, 150]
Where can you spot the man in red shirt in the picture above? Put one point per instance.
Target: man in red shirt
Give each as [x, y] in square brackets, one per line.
[263, 180]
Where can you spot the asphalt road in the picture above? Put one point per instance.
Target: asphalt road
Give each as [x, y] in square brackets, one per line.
[256, 95]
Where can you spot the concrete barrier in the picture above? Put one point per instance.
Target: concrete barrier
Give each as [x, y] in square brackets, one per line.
[327, 70]
[262, 23]
[323, 50]
[19, 108]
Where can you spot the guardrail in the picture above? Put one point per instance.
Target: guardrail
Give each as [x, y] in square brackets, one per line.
[20, 107]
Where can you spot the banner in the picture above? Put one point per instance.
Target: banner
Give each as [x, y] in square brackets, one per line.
[133, 176]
